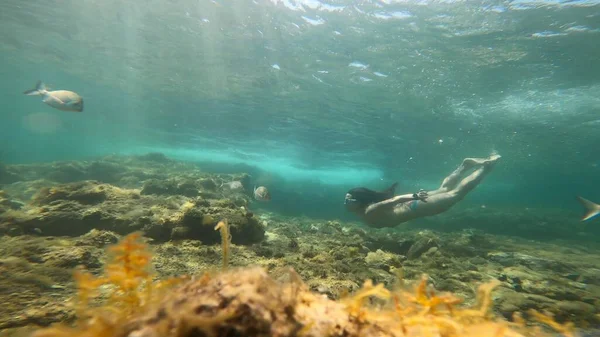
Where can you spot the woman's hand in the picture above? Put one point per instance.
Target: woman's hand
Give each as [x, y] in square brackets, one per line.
[421, 195]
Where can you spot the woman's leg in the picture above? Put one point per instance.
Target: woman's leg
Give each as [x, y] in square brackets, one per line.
[452, 181]
[471, 181]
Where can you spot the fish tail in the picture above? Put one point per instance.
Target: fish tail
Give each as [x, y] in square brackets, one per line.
[39, 89]
[591, 209]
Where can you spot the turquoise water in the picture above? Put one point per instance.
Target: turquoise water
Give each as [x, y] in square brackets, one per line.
[322, 95]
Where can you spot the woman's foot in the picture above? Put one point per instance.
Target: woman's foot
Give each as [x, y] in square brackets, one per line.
[491, 160]
[471, 162]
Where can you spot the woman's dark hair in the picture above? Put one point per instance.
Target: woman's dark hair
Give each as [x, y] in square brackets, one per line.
[366, 196]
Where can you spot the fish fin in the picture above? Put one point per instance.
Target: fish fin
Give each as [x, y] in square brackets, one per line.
[39, 88]
[591, 209]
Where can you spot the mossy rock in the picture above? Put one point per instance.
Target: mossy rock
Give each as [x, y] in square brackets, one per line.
[200, 222]
[83, 192]
[187, 187]
[159, 187]
[67, 172]
[105, 172]
[6, 176]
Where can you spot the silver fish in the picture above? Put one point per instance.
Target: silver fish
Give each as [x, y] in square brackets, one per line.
[233, 185]
[59, 99]
[261, 193]
[592, 209]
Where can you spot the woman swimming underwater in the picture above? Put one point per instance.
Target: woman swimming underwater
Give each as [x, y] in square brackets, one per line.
[383, 209]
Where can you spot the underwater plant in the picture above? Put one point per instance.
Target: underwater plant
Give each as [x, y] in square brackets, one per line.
[248, 302]
[125, 289]
[223, 228]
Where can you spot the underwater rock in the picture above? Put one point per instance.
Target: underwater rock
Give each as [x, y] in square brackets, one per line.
[156, 157]
[185, 187]
[97, 238]
[340, 272]
[71, 257]
[333, 289]
[542, 291]
[10, 204]
[32, 290]
[124, 171]
[7, 176]
[208, 184]
[245, 303]
[382, 260]
[253, 293]
[66, 172]
[590, 276]
[275, 244]
[180, 233]
[6, 203]
[515, 259]
[83, 192]
[509, 301]
[468, 243]
[188, 188]
[158, 187]
[25, 190]
[76, 208]
[104, 171]
[41, 314]
[243, 227]
[394, 243]
[531, 223]
[248, 302]
[157, 231]
[208, 195]
[421, 246]
[574, 311]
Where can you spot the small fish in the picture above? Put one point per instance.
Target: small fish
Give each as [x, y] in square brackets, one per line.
[261, 193]
[233, 185]
[591, 209]
[59, 99]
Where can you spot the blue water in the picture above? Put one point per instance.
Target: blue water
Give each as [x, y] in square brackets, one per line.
[321, 96]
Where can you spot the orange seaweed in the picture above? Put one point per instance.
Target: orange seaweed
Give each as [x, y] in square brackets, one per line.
[422, 312]
[223, 228]
[129, 290]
